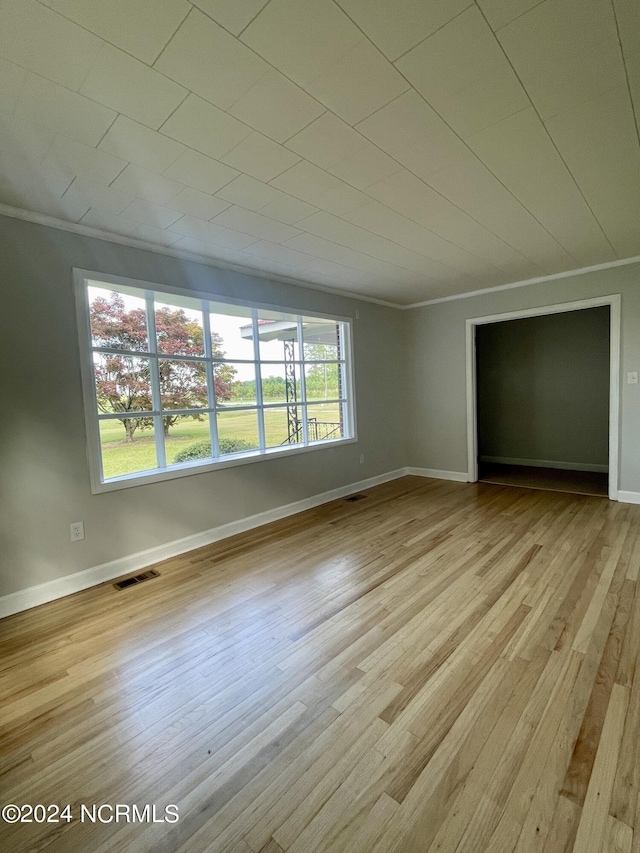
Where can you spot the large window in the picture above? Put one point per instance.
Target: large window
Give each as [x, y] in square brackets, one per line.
[174, 382]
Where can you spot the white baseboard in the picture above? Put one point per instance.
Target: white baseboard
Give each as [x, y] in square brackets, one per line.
[24, 599]
[547, 463]
[629, 497]
[458, 476]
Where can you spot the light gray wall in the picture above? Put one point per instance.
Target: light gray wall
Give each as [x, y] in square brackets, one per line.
[435, 355]
[543, 388]
[44, 478]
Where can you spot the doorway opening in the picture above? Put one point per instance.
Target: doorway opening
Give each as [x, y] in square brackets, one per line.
[543, 397]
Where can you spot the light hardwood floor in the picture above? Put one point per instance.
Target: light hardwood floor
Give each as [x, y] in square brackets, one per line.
[437, 667]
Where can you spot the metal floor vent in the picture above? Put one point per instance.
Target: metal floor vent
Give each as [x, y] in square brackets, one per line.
[353, 498]
[144, 576]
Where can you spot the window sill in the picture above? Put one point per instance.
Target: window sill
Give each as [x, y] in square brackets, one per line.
[187, 469]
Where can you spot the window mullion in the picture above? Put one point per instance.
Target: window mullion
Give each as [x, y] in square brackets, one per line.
[154, 369]
[211, 383]
[303, 385]
[259, 400]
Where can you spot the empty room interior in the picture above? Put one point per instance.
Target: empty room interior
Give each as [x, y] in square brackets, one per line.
[320, 458]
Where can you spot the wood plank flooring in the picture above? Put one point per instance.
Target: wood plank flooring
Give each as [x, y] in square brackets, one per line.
[436, 667]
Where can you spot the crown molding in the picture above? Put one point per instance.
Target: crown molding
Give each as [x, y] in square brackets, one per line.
[134, 243]
[635, 259]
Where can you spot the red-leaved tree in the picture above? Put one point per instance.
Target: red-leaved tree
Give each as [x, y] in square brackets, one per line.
[123, 381]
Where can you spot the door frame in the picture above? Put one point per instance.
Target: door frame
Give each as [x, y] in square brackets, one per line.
[613, 301]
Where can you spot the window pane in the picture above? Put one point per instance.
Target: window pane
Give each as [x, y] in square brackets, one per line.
[274, 383]
[283, 426]
[179, 329]
[278, 336]
[321, 339]
[235, 384]
[118, 320]
[183, 384]
[237, 431]
[127, 446]
[324, 421]
[242, 386]
[231, 332]
[187, 439]
[122, 383]
[322, 381]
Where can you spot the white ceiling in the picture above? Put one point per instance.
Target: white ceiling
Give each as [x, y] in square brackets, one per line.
[400, 149]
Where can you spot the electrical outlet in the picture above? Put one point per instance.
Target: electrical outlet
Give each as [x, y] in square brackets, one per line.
[362, 458]
[632, 377]
[77, 531]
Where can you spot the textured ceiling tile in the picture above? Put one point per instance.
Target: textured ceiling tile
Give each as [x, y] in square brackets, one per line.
[411, 197]
[397, 27]
[151, 214]
[554, 31]
[60, 208]
[246, 191]
[261, 157]
[472, 187]
[198, 229]
[231, 14]
[21, 174]
[277, 252]
[276, 107]
[521, 154]
[305, 181]
[359, 83]
[598, 142]
[141, 27]
[36, 38]
[108, 222]
[127, 85]
[204, 127]
[332, 228]
[341, 199]
[210, 62]
[487, 101]
[366, 167]
[288, 209]
[156, 235]
[318, 33]
[254, 223]
[140, 145]
[66, 112]
[326, 141]
[381, 220]
[200, 172]
[24, 138]
[436, 151]
[501, 12]
[197, 247]
[103, 198]
[409, 113]
[12, 79]
[560, 87]
[455, 57]
[147, 185]
[197, 204]
[628, 18]
[83, 160]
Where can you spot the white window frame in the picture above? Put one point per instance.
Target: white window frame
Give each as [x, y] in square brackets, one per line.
[99, 484]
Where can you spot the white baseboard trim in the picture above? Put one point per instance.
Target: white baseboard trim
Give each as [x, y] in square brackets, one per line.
[33, 596]
[547, 463]
[458, 476]
[629, 497]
